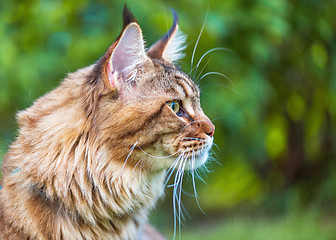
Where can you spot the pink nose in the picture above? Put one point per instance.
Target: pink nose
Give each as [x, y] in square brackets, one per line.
[208, 127]
[212, 132]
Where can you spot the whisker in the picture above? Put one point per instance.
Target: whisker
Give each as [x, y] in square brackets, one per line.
[184, 211]
[191, 70]
[129, 154]
[171, 169]
[214, 160]
[199, 176]
[218, 85]
[209, 51]
[216, 73]
[141, 159]
[187, 193]
[198, 38]
[157, 156]
[176, 196]
[222, 75]
[214, 144]
[206, 168]
[197, 78]
[180, 195]
[141, 166]
[216, 118]
[193, 180]
[174, 199]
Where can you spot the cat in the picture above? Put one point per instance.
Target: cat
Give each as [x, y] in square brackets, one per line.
[91, 157]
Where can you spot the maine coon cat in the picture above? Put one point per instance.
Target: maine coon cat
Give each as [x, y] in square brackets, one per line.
[91, 157]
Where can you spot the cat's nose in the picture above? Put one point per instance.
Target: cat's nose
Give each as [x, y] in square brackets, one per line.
[208, 127]
[212, 131]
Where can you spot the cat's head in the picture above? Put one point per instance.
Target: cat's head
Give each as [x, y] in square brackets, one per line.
[151, 107]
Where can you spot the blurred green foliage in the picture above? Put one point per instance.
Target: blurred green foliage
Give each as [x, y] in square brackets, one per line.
[275, 113]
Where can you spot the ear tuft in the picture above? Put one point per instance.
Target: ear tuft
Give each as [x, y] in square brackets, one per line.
[170, 47]
[173, 51]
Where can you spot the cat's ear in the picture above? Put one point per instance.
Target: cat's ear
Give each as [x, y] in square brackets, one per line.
[127, 54]
[170, 47]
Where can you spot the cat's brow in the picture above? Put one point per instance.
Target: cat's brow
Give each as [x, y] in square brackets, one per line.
[186, 85]
[186, 93]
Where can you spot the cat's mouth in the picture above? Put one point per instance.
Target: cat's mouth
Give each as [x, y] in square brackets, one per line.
[196, 155]
[189, 154]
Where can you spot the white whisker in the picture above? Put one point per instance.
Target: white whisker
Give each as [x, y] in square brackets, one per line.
[209, 51]
[156, 156]
[129, 154]
[198, 38]
[216, 73]
[184, 211]
[141, 160]
[216, 118]
[187, 193]
[179, 189]
[199, 176]
[222, 75]
[198, 76]
[217, 85]
[216, 145]
[171, 169]
[176, 196]
[193, 180]
[174, 203]
[214, 160]
[191, 70]
[140, 172]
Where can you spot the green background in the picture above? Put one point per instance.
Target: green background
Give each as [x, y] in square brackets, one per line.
[274, 174]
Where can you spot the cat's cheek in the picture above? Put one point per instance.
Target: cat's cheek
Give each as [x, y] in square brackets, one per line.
[168, 144]
[166, 163]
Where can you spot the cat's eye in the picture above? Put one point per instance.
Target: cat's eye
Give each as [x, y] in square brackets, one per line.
[174, 105]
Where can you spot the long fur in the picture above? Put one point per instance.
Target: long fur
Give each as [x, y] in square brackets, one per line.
[170, 47]
[86, 163]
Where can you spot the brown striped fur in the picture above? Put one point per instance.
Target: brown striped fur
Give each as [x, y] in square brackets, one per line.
[81, 168]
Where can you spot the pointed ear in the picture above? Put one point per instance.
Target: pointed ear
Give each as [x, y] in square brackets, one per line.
[128, 54]
[170, 47]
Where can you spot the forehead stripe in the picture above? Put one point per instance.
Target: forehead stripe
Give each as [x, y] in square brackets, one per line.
[187, 81]
[184, 89]
[185, 86]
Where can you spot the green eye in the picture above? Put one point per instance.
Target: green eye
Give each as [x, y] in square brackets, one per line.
[174, 105]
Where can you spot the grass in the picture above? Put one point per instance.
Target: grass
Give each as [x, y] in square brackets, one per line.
[303, 226]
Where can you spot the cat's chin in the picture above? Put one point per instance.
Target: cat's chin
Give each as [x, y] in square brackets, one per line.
[197, 161]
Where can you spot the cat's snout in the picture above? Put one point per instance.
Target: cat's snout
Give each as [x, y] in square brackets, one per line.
[212, 131]
[208, 127]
